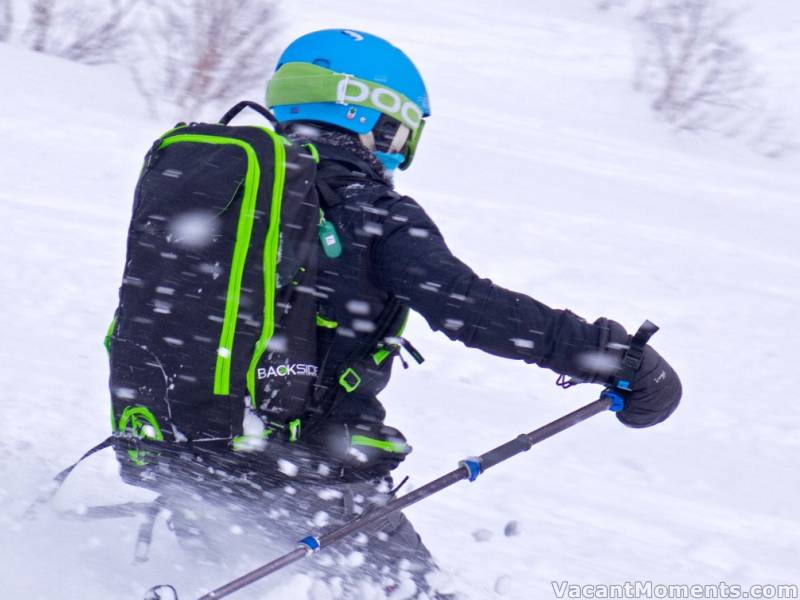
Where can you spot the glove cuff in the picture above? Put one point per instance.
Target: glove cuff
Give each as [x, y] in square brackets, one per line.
[602, 363]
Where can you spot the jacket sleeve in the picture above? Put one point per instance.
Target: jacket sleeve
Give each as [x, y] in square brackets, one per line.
[413, 262]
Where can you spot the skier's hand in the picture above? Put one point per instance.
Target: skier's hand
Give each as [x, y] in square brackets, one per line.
[655, 392]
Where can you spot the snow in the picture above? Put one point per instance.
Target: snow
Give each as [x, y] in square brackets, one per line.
[545, 172]
[287, 468]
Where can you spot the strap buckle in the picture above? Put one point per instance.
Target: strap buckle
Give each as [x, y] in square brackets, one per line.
[633, 357]
[349, 380]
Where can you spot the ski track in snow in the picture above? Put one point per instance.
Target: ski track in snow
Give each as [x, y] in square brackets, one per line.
[546, 173]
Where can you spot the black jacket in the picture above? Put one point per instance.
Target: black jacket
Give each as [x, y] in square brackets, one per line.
[394, 255]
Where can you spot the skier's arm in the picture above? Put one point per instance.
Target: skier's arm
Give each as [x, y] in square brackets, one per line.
[414, 263]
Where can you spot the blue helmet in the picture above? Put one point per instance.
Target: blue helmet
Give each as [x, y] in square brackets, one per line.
[355, 81]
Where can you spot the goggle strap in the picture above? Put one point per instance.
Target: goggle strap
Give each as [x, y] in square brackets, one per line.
[305, 83]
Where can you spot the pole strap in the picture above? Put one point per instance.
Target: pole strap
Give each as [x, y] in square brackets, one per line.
[631, 362]
[46, 496]
[161, 592]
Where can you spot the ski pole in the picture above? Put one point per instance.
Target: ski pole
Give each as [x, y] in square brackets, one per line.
[469, 468]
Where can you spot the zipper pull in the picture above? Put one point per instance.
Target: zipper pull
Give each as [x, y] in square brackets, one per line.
[329, 238]
[412, 351]
[402, 360]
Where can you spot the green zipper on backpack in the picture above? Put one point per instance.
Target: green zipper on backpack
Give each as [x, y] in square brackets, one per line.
[271, 245]
[244, 230]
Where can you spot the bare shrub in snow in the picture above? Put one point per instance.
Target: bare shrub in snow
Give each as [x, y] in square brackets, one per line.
[701, 78]
[199, 52]
[82, 30]
[185, 53]
[698, 75]
[6, 19]
[39, 24]
[609, 4]
[774, 136]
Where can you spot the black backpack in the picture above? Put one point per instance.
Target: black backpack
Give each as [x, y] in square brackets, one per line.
[217, 305]
[217, 320]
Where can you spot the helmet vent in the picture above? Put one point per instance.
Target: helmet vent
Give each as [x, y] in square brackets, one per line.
[353, 34]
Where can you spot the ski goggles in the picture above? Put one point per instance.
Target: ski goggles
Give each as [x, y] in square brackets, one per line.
[306, 83]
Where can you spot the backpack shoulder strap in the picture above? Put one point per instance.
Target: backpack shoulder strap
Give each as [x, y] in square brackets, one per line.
[334, 389]
[59, 479]
[329, 197]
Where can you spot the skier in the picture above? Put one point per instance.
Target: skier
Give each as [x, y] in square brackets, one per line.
[363, 104]
[395, 255]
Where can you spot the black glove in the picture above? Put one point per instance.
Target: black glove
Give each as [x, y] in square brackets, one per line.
[655, 392]
[582, 352]
[655, 389]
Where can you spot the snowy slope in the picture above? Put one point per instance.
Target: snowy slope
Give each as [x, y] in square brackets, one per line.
[546, 173]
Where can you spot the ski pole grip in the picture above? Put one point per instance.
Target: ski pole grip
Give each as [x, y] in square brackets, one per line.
[524, 442]
[519, 444]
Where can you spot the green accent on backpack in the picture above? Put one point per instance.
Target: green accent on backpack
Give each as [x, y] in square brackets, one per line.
[383, 353]
[142, 424]
[247, 442]
[312, 150]
[140, 417]
[294, 430]
[222, 373]
[380, 356]
[326, 323]
[385, 445]
[349, 380]
[270, 263]
[109, 333]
